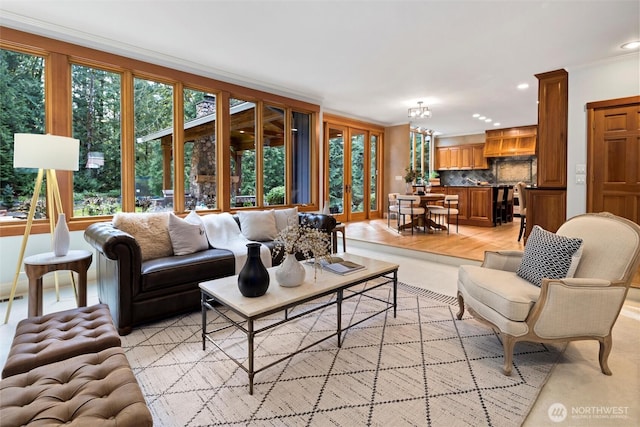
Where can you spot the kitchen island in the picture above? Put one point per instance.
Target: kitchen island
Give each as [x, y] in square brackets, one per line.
[475, 202]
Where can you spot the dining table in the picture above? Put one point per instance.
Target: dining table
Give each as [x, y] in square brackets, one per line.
[424, 221]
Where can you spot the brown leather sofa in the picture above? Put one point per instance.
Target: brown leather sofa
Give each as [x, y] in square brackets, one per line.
[138, 292]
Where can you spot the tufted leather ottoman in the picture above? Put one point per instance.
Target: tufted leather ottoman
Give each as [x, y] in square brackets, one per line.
[95, 390]
[58, 336]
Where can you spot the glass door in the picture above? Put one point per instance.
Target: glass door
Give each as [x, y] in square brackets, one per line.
[336, 185]
[348, 185]
[357, 188]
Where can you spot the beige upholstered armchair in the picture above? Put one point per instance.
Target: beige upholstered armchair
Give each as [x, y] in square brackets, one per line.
[582, 307]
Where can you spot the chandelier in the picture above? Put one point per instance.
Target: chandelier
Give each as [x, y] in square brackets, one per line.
[419, 112]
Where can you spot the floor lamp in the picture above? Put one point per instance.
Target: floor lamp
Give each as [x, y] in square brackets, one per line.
[47, 153]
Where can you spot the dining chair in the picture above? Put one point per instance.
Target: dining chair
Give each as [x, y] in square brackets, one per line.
[449, 208]
[498, 205]
[522, 202]
[508, 204]
[392, 207]
[410, 205]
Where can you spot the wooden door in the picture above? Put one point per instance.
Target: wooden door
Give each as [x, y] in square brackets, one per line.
[614, 157]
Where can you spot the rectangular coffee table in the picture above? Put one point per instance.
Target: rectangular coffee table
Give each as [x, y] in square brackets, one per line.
[222, 295]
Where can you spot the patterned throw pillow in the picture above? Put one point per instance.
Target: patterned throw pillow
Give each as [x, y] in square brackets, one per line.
[547, 255]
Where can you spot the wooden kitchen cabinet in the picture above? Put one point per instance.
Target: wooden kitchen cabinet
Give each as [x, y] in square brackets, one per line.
[474, 204]
[443, 158]
[461, 157]
[479, 160]
[517, 141]
[480, 211]
[454, 158]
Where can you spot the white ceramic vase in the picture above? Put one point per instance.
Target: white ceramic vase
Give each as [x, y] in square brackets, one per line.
[291, 272]
[61, 237]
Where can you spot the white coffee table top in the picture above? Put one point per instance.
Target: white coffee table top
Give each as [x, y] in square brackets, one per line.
[226, 289]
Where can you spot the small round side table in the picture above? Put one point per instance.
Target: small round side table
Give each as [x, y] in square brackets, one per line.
[38, 265]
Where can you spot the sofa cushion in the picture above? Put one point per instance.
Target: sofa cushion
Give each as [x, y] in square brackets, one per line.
[177, 271]
[547, 255]
[258, 225]
[188, 234]
[503, 291]
[151, 231]
[286, 217]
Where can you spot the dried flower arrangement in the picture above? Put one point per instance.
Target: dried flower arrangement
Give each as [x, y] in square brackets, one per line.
[302, 238]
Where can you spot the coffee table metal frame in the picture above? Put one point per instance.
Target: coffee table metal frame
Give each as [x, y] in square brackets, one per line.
[209, 301]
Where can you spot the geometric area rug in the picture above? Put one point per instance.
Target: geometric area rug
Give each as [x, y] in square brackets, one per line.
[422, 368]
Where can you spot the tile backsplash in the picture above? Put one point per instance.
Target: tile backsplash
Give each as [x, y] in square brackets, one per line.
[502, 170]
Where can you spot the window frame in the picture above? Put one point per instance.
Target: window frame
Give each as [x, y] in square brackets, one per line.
[59, 56]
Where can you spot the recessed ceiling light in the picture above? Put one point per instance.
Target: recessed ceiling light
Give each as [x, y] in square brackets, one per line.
[476, 115]
[523, 86]
[631, 45]
[488, 120]
[496, 124]
[481, 118]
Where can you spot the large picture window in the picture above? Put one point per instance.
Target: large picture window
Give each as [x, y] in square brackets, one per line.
[22, 101]
[96, 103]
[243, 152]
[274, 155]
[153, 121]
[151, 138]
[200, 150]
[301, 157]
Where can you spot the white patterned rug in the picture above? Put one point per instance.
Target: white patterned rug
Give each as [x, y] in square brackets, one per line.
[423, 368]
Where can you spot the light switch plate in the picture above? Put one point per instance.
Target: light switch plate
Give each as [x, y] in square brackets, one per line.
[580, 179]
[581, 168]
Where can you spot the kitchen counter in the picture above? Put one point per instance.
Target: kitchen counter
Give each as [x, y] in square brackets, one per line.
[475, 202]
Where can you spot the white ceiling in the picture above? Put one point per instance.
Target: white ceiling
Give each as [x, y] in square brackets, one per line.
[364, 59]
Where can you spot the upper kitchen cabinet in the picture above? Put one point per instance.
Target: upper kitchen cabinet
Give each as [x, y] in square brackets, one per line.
[461, 157]
[552, 128]
[517, 141]
[479, 161]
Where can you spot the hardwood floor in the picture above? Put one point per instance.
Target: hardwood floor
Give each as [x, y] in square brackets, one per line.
[469, 243]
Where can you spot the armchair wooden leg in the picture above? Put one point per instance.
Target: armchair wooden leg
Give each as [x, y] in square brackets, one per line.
[460, 306]
[605, 349]
[508, 343]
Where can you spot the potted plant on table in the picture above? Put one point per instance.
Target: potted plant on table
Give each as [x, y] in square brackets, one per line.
[409, 176]
[434, 178]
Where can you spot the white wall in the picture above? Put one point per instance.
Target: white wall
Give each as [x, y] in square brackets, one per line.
[616, 78]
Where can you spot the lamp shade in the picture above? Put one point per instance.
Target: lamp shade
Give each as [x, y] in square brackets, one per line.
[45, 152]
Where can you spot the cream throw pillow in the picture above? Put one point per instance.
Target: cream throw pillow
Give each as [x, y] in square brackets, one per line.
[258, 225]
[151, 231]
[286, 217]
[188, 234]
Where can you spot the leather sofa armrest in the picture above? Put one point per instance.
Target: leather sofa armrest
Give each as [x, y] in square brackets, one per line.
[318, 221]
[109, 240]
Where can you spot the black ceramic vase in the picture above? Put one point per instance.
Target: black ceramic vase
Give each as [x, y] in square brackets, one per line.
[253, 280]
